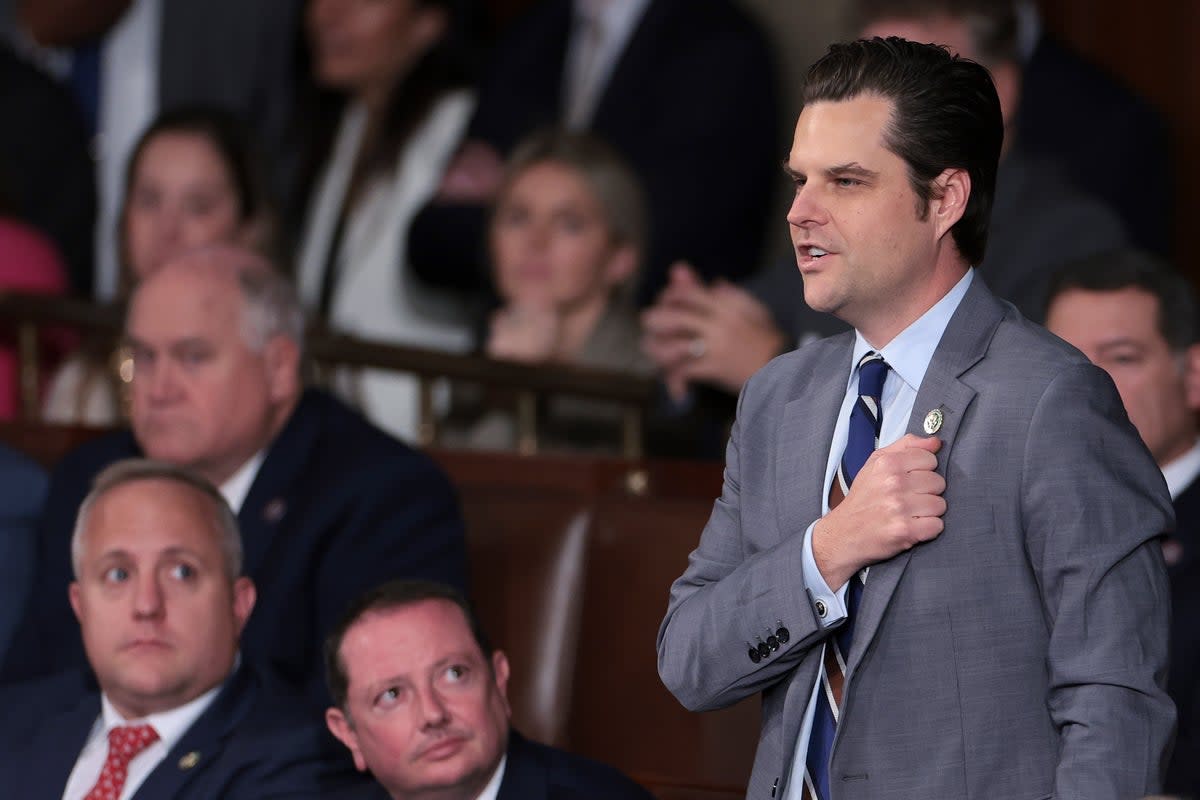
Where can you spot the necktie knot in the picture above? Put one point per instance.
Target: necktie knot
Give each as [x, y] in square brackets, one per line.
[125, 742]
[872, 371]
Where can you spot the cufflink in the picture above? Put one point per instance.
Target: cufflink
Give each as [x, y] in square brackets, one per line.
[821, 608]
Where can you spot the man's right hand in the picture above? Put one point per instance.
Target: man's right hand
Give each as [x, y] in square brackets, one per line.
[895, 503]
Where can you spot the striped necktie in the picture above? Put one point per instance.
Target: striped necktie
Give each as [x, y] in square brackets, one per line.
[866, 417]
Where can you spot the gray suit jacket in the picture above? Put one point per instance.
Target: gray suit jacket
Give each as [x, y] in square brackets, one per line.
[1022, 654]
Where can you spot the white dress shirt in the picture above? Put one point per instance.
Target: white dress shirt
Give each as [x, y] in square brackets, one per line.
[170, 725]
[235, 489]
[492, 790]
[908, 355]
[1181, 472]
[599, 34]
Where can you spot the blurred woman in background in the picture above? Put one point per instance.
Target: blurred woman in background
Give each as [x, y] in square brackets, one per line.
[566, 239]
[194, 178]
[392, 107]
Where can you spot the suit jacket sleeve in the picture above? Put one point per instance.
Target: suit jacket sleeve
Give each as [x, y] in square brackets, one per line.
[726, 600]
[1093, 506]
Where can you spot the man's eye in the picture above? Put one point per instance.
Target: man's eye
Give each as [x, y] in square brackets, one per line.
[183, 572]
[116, 575]
[389, 696]
[456, 673]
[847, 182]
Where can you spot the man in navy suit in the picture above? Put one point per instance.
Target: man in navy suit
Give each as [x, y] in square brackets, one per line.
[420, 699]
[665, 82]
[173, 710]
[328, 504]
[1135, 317]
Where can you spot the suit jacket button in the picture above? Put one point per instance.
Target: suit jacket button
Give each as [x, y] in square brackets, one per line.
[763, 649]
[772, 643]
[754, 656]
[782, 635]
[822, 609]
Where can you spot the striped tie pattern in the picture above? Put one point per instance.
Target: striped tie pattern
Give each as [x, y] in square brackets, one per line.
[866, 418]
[124, 743]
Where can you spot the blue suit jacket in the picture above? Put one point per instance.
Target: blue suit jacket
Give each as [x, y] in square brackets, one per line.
[537, 772]
[337, 507]
[254, 742]
[22, 491]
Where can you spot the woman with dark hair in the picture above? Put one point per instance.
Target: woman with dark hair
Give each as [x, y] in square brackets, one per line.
[392, 73]
[193, 179]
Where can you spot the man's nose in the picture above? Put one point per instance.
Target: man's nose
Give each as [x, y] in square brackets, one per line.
[432, 708]
[147, 596]
[806, 208]
[159, 381]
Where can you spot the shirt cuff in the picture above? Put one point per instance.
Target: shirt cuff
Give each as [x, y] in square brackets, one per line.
[828, 606]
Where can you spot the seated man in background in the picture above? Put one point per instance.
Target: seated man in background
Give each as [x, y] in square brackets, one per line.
[328, 504]
[722, 334]
[420, 699]
[1135, 317]
[172, 711]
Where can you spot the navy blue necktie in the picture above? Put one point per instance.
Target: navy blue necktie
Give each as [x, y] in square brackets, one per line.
[866, 418]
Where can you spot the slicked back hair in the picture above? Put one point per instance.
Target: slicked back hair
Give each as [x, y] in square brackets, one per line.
[945, 114]
[389, 597]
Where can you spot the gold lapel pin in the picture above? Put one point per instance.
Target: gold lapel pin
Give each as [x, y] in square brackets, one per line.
[933, 421]
[190, 760]
[274, 510]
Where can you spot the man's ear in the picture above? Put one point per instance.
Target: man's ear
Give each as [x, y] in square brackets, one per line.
[340, 726]
[73, 596]
[951, 191]
[1191, 376]
[281, 360]
[244, 596]
[500, 670]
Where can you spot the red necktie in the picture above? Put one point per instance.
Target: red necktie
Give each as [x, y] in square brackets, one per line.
[124, 743]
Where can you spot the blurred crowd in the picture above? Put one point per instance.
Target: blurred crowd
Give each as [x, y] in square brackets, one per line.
[594, 183]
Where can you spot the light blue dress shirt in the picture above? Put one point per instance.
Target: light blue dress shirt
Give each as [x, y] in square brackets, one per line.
[908, 355]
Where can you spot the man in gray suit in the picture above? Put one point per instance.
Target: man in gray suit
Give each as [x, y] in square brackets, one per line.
[978, 608]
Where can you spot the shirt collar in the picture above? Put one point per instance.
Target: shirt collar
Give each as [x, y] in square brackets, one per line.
[1180, 473]
[170, 725]
[492, 790]
[235, 489]
[910, 352]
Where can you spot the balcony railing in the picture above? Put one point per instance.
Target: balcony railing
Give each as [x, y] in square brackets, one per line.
[632, 394]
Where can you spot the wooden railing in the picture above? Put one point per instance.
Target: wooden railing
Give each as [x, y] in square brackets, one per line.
[531, 384]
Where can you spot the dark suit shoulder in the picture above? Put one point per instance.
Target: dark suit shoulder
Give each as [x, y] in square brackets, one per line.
[566, 776]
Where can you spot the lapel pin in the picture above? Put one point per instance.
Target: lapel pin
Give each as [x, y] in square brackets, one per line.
[933, 421]
[190, 760]
[275, 510]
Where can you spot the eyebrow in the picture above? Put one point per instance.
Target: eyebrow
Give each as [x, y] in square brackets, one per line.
[852, 170]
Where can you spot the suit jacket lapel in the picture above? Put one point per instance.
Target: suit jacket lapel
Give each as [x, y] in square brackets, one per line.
[56, 745]
[806, 434]
[963, 344]
[269, 499]
[203, 742]
[524, 774]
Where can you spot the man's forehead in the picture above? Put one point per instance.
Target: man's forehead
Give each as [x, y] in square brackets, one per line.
[838, 130]
[418, 633]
